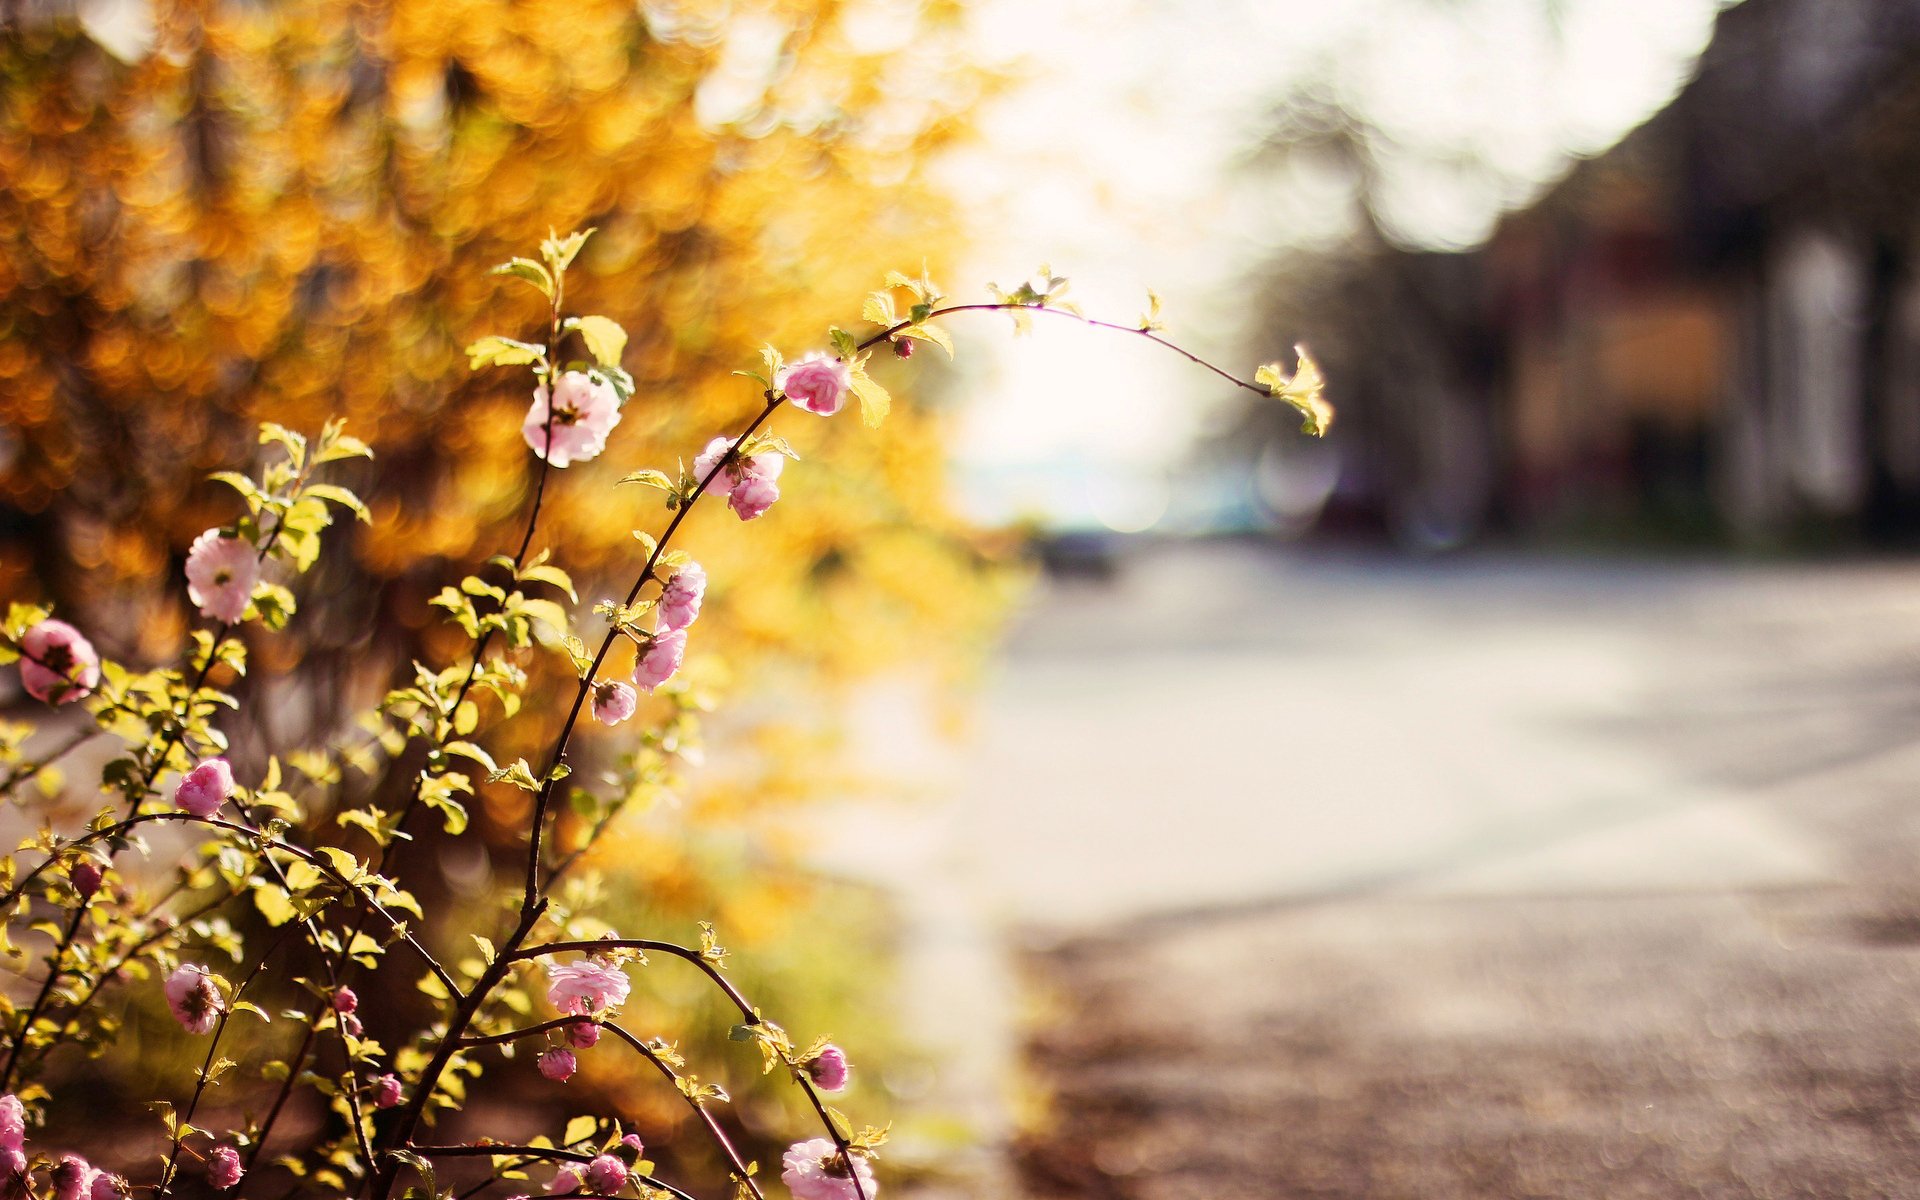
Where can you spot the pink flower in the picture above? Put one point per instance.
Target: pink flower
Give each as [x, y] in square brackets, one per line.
[73, 1179]
[344, 1001]
[223, 1167]
[815, 1170]
[85, 874]
[583, 1035]
[757, 490]
[632, 1142]
[221, 572]
[613, 702]
[566, 1179]
[828, 1069]
[386, 1091]
[680, 598]
[194, 998]
[660, 660]
[108, 1187]
[583, 413]
[558, 1064]
[351, 1026]
[13, 1174]
[57, 665]
[606, 1174]
[13, 1122]
[817, 383]
[748, 485]
[587, 986]
[205, 788]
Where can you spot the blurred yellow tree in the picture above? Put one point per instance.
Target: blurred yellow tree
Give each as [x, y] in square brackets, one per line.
[214, 212]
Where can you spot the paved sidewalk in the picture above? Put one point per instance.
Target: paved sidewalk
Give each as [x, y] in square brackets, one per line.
[1479, 878]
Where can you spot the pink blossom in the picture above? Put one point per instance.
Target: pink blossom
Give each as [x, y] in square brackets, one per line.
[351, 1026]
[757, 490]
[194, 998]
[223, 1167]
[584, 412]
[828, 1069]
[815, 1170]
[660, 660]
[613, 702]
[558, 1064]
[817, 383]
[606, 1174]
[566, 1179]
[13, 1174]
[57, 665]
[583, 1035]
[73, 1179]
[221, 572]
[345, 1001]
[108, 1187]
[680, 598]
[386, 1091]
[13, 1122]
[903, 348]
[86, 875]
[750, 486]
[587, 986]
[632, 1142]
[205, 788]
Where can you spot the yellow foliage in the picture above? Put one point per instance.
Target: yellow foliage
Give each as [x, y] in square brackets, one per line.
[287, 212]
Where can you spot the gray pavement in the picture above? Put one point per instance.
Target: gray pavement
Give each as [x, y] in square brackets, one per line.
[1584, 879]
[1344, 875]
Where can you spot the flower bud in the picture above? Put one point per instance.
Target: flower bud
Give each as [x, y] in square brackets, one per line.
[583, 1035]
[558, 1065]
[86, 875]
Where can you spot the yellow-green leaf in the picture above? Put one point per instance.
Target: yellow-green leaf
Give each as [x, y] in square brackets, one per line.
[874, 400]
[605, 340]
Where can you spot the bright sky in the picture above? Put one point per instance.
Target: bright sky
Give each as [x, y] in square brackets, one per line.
[1116, 163]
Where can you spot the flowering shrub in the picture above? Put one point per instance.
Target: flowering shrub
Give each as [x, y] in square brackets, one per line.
[306, 892]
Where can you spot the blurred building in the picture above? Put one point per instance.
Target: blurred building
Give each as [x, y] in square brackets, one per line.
[1712, 330]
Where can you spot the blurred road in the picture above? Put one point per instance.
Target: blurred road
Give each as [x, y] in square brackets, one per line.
[1356, 876]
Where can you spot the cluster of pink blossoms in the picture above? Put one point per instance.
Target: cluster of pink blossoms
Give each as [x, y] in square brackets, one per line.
[73, 1178]
[665, 649]
[586, 989]
[603, 1175]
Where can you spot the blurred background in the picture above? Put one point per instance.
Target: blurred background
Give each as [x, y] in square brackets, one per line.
[1506, 795]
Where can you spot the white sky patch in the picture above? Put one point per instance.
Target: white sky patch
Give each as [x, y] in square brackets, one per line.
[1115, 162]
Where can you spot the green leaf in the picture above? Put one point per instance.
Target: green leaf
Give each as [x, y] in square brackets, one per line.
[240, 483]
[653, 479]
[605, 340]
[929, 333]
[271, 900]
[547, 573]
[532, 272]
[340, 496]
[497, 351]
[874, 400]
[517, 773]
[1304, 390]
[579, 1129]
[559, 252]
